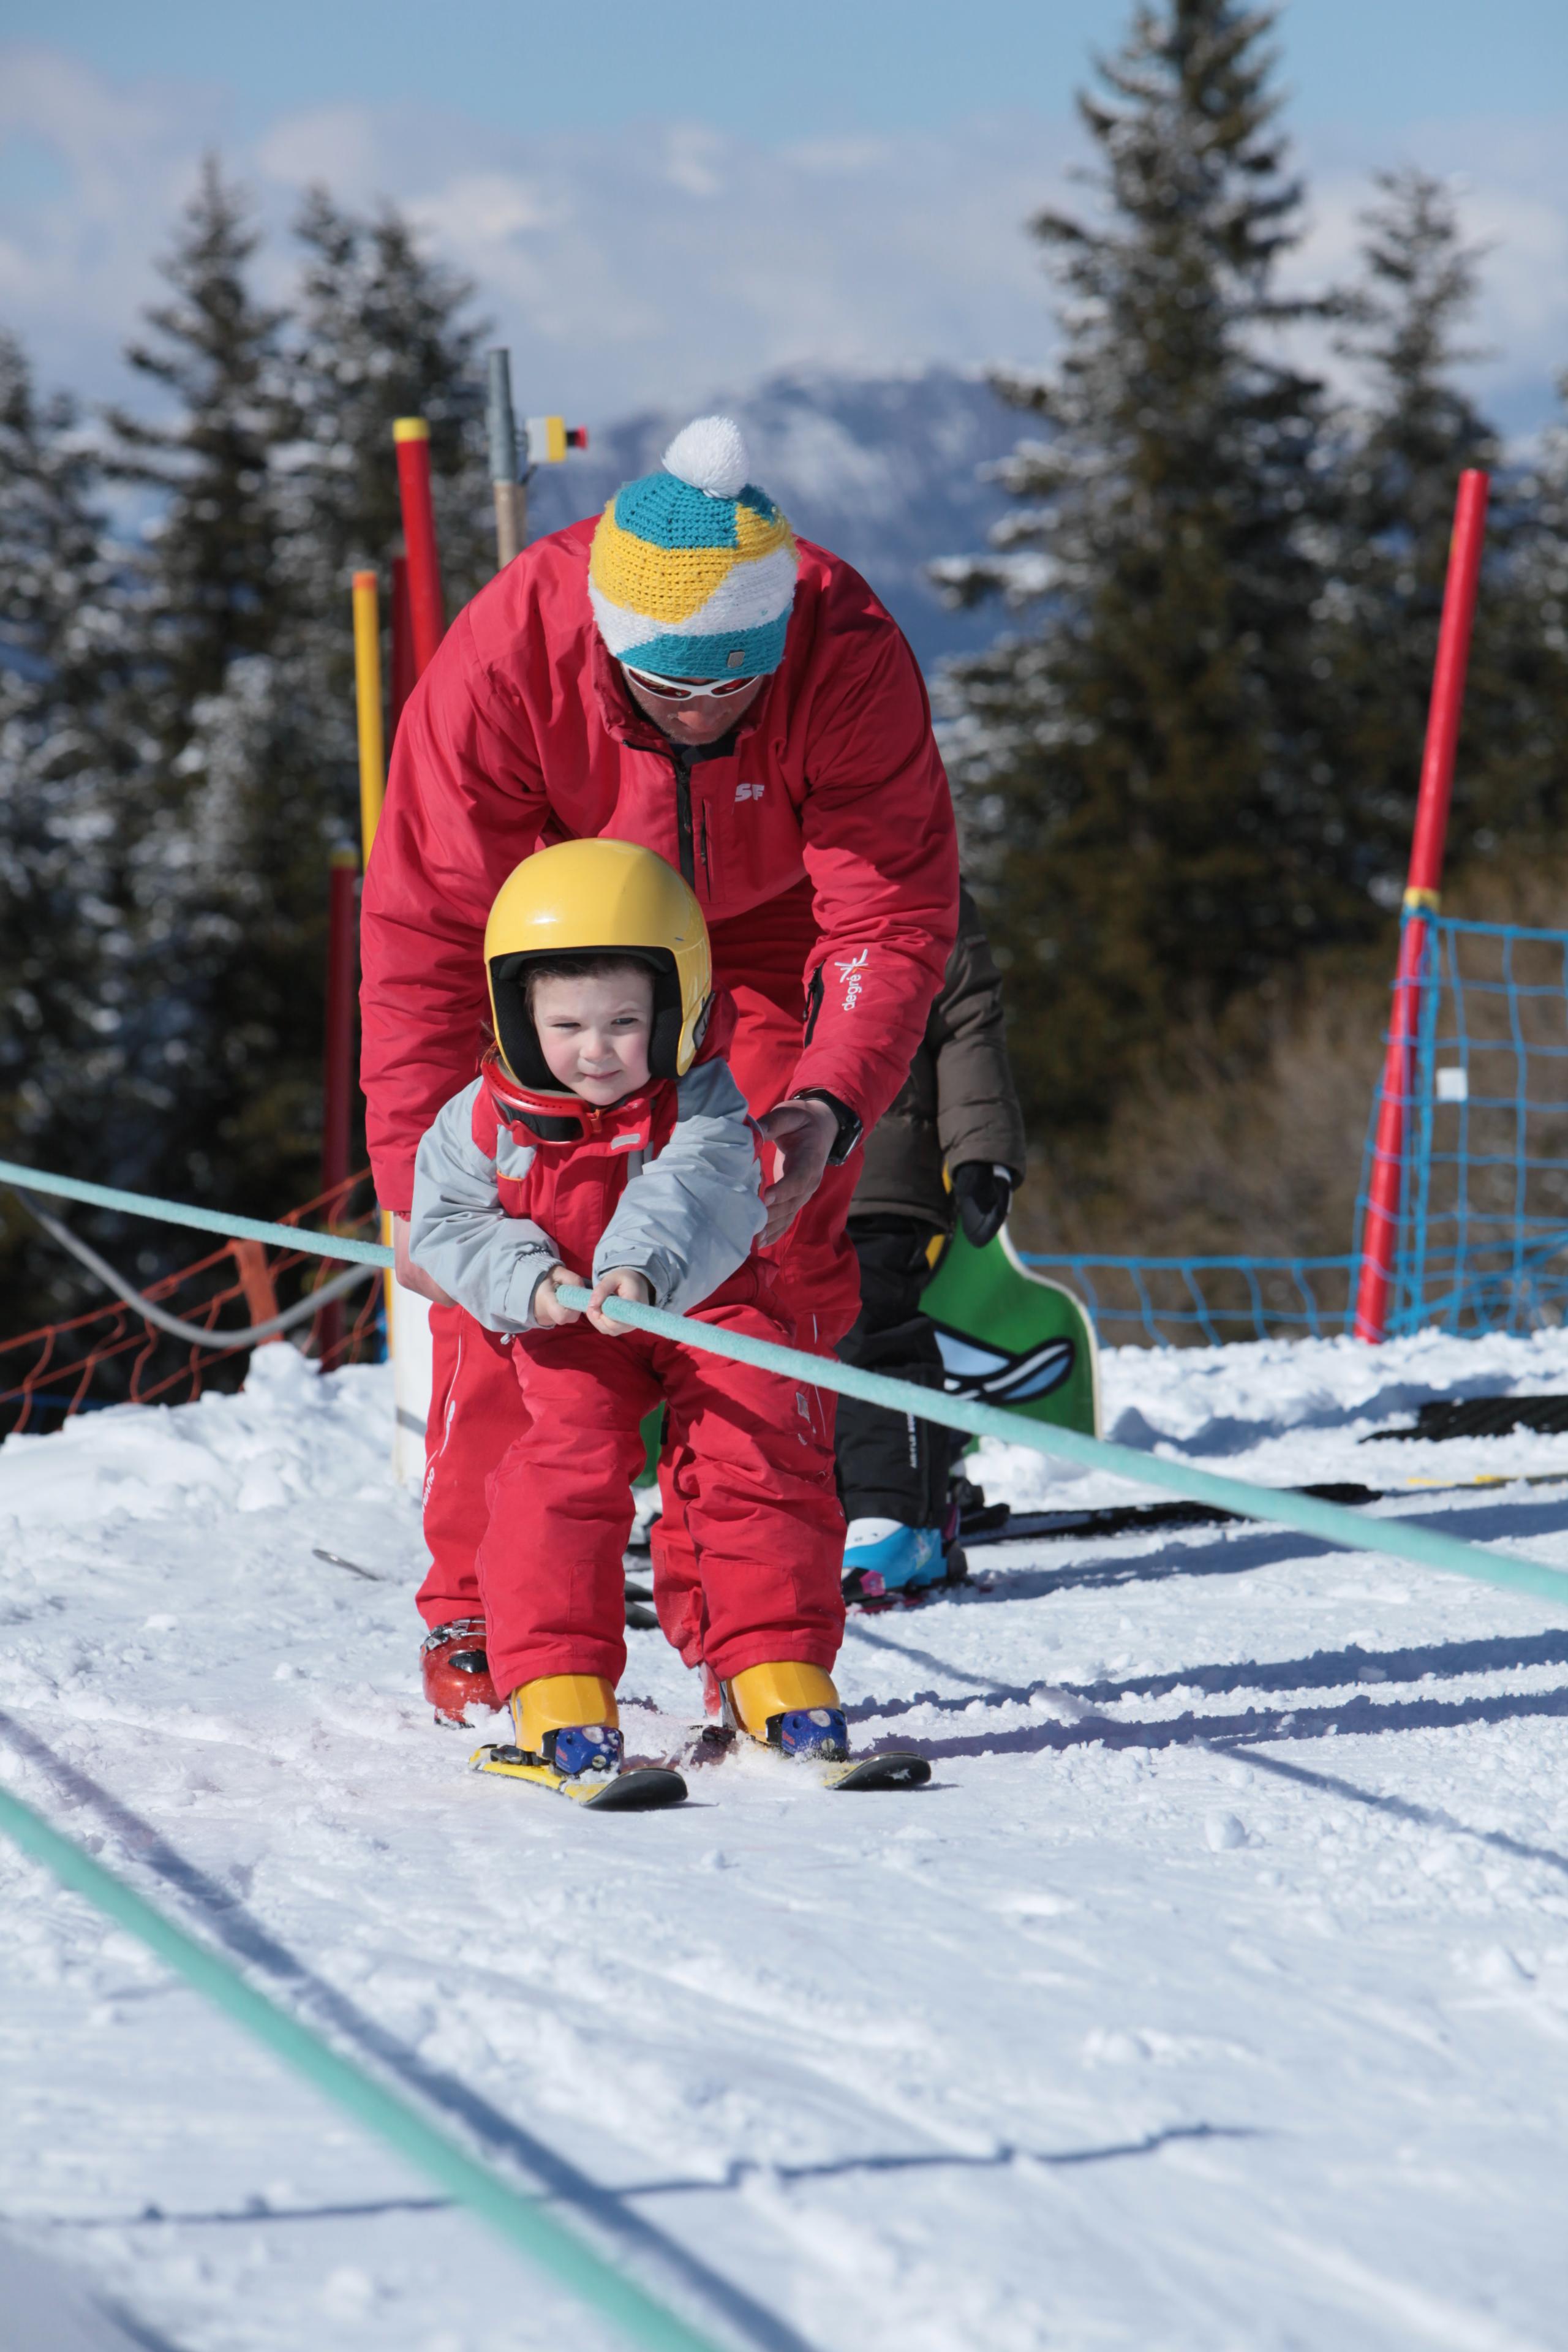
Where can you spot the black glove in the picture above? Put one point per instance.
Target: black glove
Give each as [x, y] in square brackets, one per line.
[983, 1193]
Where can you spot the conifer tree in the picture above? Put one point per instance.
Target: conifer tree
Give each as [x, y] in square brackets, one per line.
[1511, 791]
[212, 581]
[65, 752]
[225, 843]
[1404, 448]
[381, 331]
[1149, 806]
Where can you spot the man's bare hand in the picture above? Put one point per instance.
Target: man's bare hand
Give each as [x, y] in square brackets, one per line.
[550, 1311]
[411, 1276]
[803, 1132]
[621, 1282]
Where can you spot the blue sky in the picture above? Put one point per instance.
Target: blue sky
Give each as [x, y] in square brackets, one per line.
[788, 70]
[664, 203]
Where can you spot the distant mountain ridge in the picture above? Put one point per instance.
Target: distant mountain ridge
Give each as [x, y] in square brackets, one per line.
[885, 470]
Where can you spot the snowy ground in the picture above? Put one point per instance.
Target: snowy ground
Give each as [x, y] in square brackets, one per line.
[1216, 1995]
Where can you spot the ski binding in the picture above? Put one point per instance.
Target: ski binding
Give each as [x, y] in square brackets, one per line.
[892, 1768]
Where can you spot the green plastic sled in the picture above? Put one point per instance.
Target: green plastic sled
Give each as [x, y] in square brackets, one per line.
[1007, 1336]
[1010, 1338]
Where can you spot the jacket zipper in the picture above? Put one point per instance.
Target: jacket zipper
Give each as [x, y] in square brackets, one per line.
[681, 763]
[707, 873]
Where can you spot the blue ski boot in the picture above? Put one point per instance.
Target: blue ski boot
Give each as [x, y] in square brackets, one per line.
[884, 1560]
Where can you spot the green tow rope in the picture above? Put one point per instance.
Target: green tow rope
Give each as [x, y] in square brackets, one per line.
[1331, 1522]
[201, 1221]
[514, 2217]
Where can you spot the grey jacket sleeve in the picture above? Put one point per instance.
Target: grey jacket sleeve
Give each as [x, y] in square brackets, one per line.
[459, 1233]
[688, 1218]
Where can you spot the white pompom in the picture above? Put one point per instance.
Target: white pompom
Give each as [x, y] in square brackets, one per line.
[709, 454]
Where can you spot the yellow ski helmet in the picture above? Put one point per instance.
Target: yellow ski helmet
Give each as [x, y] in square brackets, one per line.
[598, 897]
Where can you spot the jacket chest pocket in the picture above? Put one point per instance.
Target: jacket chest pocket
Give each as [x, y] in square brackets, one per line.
[753, 842]
[585, 1197]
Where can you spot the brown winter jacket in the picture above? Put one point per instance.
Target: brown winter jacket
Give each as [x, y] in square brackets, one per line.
[958, 1102]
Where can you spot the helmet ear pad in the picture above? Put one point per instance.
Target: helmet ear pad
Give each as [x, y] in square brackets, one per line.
[664, 1038]
[519, 1039]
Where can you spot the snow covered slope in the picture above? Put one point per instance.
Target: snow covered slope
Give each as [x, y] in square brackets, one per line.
[1214, 1996]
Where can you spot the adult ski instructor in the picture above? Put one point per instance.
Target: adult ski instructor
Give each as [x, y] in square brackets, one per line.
[683, 674]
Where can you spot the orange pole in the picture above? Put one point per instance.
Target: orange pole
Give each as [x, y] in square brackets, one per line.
[1380, 1231]
[411, 437]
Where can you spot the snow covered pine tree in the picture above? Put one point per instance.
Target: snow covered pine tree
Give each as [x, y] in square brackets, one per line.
[1153, 820]
[68, 745]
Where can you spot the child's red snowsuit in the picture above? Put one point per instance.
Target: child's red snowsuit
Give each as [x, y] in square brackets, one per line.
[751, 1452]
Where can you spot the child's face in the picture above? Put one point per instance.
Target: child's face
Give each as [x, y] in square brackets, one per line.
[594, 1032]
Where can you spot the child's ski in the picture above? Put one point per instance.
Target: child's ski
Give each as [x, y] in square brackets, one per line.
[890, 1768]
[640, 1789]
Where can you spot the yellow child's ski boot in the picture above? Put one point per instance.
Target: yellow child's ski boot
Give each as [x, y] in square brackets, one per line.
[794, 1709]
[568, 1740]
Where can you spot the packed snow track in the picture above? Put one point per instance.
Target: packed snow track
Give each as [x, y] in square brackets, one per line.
[1214, 1997]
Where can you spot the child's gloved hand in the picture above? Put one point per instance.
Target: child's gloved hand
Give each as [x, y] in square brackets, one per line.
[549, 1311]
[621, 1282]
[983, 1194]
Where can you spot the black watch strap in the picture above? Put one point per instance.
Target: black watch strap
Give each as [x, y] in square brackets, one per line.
[849, 1123]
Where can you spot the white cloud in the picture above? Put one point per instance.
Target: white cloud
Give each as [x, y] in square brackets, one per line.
[1509, 183]
[75, 262]
[657, 264]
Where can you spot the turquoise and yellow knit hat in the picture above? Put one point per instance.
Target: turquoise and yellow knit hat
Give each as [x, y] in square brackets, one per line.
[693, 570]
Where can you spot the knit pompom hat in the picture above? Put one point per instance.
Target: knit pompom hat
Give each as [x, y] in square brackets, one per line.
[693, 570]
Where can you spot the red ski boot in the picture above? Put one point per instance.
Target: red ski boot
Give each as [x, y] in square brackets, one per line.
[456, 1671]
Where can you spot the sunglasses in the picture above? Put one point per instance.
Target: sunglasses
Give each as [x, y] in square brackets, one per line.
[669, 689]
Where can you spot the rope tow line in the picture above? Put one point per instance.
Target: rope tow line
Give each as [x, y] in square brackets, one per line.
[1331, 1523]
[219, 1341]
[1306, 1513]
[514, 2216]
[202, 1220]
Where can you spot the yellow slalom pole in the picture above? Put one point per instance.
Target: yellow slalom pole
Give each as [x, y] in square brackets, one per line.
[371, 775]
[367, 699]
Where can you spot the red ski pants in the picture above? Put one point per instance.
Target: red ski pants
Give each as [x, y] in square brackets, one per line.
[753, 1473]
[477, 1407]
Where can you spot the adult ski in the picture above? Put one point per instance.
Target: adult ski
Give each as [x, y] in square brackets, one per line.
[1137, 1518]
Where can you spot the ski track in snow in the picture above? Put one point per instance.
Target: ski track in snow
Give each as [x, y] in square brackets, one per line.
[1216, 1995]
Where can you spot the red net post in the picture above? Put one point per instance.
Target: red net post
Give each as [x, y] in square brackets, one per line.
[1380, 1228]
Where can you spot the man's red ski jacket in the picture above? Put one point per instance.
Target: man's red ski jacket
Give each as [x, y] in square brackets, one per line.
[829, 807]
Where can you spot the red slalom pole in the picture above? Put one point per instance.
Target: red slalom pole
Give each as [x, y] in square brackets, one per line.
[1423, 889]
[338, 1071]
[411, 437]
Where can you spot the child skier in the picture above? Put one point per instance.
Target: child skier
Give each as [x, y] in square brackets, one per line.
[605, 1133]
